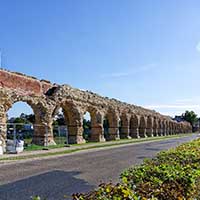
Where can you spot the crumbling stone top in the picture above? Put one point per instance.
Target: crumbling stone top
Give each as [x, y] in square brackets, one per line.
[23, 85]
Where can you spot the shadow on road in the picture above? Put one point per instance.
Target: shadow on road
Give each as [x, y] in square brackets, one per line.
[45, 185]
[152, 149]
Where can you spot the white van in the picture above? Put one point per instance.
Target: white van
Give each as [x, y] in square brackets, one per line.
[15, 146]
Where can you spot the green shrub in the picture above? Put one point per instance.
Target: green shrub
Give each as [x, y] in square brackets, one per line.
[171, 175]
[108, 192]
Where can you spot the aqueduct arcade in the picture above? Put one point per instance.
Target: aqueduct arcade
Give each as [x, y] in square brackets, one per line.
[45, 99]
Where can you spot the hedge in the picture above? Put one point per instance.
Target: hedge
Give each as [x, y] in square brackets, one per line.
[171, 175]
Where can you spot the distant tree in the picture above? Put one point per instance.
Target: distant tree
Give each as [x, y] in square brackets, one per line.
[21, 120]
[19, 123]
[86, 129]
[190, 116]
[23, 116]
[31, 118]
[60, 120]
[86, 124]
[106, 127]
[28, 118]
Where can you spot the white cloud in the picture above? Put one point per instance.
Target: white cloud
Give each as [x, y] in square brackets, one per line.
[176, 106]
[185, 100]
[129, 72]
[175, 109]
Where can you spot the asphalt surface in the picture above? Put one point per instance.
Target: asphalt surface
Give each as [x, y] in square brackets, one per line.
[53, 178]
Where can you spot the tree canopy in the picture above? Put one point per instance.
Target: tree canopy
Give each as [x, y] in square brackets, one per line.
[190, 116]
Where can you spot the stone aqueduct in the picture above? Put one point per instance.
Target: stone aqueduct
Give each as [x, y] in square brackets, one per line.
[46, 99]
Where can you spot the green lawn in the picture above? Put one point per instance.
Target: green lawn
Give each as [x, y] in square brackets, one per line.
[84, 147]
[60, 142]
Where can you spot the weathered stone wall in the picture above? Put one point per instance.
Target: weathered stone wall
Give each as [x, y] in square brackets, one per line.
[45, 99]
[26, 84]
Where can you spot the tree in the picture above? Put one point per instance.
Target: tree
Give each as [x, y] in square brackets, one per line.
[21, 120]
[31, 118]
[60, 120]
[190, 116]
[20, 123]
[28, 118]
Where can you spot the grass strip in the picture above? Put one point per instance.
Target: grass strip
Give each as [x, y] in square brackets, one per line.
[98, 145]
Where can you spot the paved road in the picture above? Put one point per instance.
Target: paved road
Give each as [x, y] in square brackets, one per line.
[83, 171]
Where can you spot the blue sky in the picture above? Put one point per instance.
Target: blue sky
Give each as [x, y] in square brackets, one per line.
[143, 52]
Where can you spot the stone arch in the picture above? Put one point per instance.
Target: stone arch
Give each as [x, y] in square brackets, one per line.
[73, 119]
[87, 118]
[97, 134]
[134, 126]
[178, 128]
[42, 135]
[18, 129]
[170, 127]
[149, 131]
[113, 122]
[183, 127]
[164, 127]
[175, 128]
[160, 127]
[36, 111]
[143, 126]
[30, 103]
[44, 97]
[167, 128]
[155, 126]
[124, 126]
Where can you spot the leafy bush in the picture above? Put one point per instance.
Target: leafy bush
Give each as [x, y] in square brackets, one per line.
[171, 175]
[108, 192]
